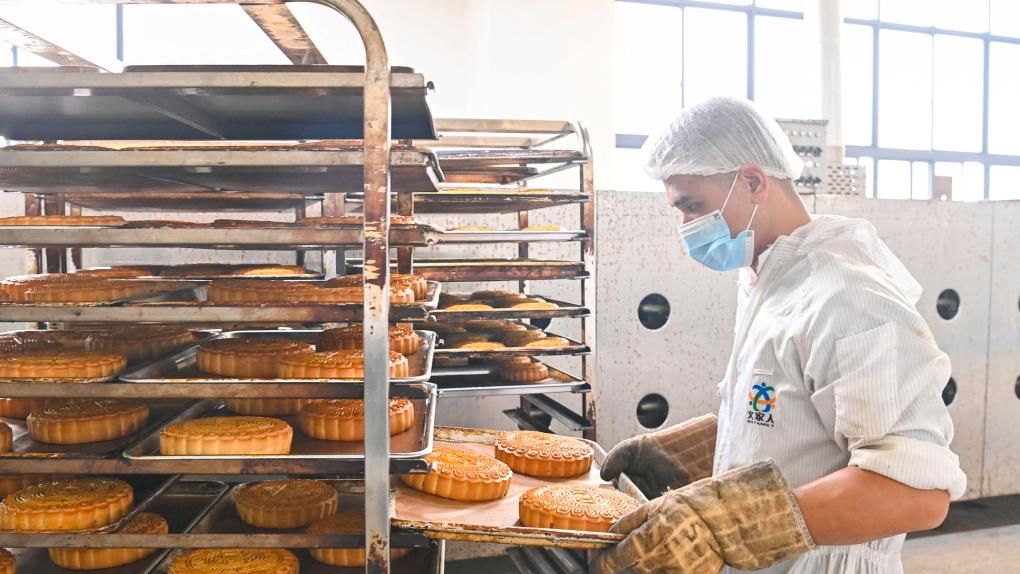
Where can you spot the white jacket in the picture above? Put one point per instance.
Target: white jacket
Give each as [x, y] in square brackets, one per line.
[833, 366]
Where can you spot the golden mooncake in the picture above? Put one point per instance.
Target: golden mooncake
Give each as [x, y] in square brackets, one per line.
[462, 475]
[235, 561]
[226, 436]
[573, 507]
[81, 421]
[60, 365]
[352, 522]
[336, 365]
[99, 558]
[344, 419]
[285, 503]
[403, 340]
[73, 504]
[247, 358]
[542, 454]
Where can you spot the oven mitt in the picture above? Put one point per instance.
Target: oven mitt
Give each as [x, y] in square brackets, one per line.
[747, 518]
[665, 459]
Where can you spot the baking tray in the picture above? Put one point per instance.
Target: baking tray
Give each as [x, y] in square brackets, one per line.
[181, 505]
[182, 367]
[158, 270]
[25, 447]
[444, 356]
[169, 195]
[459, 158]
[427, 560]
[407, 449]
[483, 380]
[145, 489]
[496, 521]
[563, 309]
[222, 518]
[173, 288]
[473, 270]
[494, 200]
[456, 237]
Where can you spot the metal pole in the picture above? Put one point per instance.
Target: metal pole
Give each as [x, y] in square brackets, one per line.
[377, 284]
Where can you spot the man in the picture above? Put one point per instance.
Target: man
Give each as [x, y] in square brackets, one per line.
[832, 438]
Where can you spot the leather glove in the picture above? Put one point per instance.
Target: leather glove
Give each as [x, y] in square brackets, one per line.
[747, 518]
[666, 459]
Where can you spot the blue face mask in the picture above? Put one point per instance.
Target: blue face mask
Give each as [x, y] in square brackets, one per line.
[708, 240]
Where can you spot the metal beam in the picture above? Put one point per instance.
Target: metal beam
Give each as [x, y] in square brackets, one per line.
[17, 36]
[181, 111]
[279, 23]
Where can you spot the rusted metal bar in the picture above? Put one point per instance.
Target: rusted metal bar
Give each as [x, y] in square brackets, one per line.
[279, 23]
[15, 35]
[588, 285]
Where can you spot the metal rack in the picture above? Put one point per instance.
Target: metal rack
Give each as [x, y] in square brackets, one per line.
[156, 104]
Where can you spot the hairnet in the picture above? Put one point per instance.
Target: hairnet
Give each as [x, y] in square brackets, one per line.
[720, 135]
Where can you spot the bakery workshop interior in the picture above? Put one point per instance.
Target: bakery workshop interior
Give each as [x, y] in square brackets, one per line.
[374, 286]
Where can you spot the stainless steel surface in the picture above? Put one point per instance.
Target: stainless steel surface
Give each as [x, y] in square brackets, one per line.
[481, 381]
[233, 102]
[558, 412]
[474, 270]
[453, 236]
[182, 504]
[295, 170]
[26, 448]
[494, 200]
[452, 529]
[182, 366]
[409, 447]
[288, 238]
[286, 32]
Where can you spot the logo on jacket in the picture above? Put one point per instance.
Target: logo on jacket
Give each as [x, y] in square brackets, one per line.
[762, 400]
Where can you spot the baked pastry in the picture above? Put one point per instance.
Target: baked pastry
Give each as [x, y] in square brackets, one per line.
[535, 305]
[95, 289]
[235, 561]
[119, 272]
[462, 475]
[523, 370]
[7, 562]
[6, 438]
[469, 307]
[449, 328]
[285, 503]
[269, 270]
[226, 435]
[447, 299]
[336, 365]
[542, 454]
[473, 228]
[73, 504]
[344, 419]
[480, 346]
[456, 340]
[270, 291]
[352, 522]
[494, 326]
[248, 223]
[20, 408]
[69, 340]
[403, 340]
[521, 338]
[139, 342]
[548, 343]
[65, 220]
[573, 507]
[85, 558]
[14, 482]
[16, 344]
[247, 358]
[542, 228]
[266, 407]
[86, 420]
[17, 286]
[60, 365]
[196, 270]
[484, 295]
[417, 283]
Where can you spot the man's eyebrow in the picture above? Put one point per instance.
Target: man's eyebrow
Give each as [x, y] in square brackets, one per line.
[683, 202]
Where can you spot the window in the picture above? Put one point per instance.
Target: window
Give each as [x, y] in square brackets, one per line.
[674, 53]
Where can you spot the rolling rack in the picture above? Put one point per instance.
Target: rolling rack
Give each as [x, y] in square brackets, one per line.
[179, 104]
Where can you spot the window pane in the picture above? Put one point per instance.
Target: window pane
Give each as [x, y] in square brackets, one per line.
[958, 97]
[195, 34]
[1005, 17]
[724, 36]
[649, 60]
[904, 90]
[920, 186]
[734, 2]
[629, 174]
[869, 175]
[973, 188]
[1004, 92]
[857, 84]
[1004, 182]
[863, 9]
[6, 55]
[791, 5]
[782, 89]
[915, 12]
[89, 31]
[967, 15]
[893, 179]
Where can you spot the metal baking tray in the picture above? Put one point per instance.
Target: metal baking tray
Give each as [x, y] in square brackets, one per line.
[27, 448]
[222, 519]
[198, 311]
[505, 157]
[251, 170]
[563, 309]
[158, 270]
[229, 102]
[494, 200]
[173, 288]
[266, 238]
[472, 270]
[444, 355]
[455, 237]
[145, 490]
[182, 367]
[496, 521]
[427, 560]
[407, 448]
[182, 505]
[179, 196]
[483, 380]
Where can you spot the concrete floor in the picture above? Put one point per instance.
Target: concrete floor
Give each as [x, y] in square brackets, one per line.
[978, 537]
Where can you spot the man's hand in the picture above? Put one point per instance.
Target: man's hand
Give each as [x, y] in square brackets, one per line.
[666, 459]
[747, 518]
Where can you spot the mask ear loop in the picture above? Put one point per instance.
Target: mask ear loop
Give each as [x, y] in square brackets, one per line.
[753, 213]
[729, 194]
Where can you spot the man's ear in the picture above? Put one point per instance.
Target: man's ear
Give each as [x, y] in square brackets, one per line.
[757, 182]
